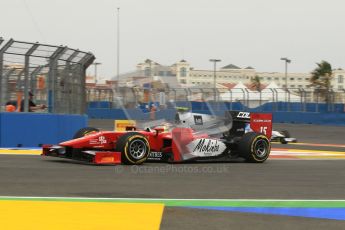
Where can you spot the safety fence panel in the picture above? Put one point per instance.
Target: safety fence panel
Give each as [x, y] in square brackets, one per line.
[277, 99]
[55, 75]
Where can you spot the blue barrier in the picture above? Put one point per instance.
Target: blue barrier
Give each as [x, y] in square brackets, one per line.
[135, 114]
[309, 118]
[34, 129]
[99, 104]
[169, 114]
[268, 107]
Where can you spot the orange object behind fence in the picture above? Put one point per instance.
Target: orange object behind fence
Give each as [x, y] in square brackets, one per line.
[10, 108]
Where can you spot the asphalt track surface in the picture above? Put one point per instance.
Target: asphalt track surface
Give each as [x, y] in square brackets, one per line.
[275, 179]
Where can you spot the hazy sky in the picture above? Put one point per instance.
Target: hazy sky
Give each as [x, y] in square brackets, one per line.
[242, 32]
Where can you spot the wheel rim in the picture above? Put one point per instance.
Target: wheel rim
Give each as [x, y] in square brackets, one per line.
[137, 149]
[261, 148]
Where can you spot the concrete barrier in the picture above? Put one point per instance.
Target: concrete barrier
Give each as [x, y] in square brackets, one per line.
[35, 129]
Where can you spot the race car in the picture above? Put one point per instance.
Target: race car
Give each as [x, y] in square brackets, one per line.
[241, 124]
[283, 137]
[180, 144]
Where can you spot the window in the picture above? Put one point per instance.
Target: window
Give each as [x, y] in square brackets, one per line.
[340, 87]
[292, 86]
[340, 79]
[147, 72]
[183, 81]
[183, 72]
[269, 78]
[292, 79]
[299, 79]
[276, 78]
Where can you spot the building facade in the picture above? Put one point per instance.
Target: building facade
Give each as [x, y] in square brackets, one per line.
[234, 74]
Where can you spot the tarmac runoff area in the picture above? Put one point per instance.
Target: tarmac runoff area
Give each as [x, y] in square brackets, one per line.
[301, 186]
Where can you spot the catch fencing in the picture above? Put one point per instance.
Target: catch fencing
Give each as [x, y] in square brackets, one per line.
[277, 99]
[54, 74]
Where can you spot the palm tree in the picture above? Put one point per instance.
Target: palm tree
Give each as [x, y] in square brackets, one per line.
[256, 82]
[321, 79]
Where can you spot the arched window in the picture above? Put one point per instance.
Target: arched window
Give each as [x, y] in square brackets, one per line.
[340, 79]
[183, 72]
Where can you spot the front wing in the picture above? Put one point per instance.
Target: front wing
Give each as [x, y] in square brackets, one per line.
[91, 156]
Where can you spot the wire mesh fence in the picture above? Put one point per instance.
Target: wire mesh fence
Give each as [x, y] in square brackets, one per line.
[55, 75]
[279, 99]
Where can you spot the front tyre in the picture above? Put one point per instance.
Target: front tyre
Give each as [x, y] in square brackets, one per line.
[286, 134]
[134, 148]
[84, 132]
[254, 147]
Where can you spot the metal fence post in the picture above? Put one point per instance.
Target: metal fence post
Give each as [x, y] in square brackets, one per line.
[3, 84]
[5, 90]
[230, 99]
[246, 93]
[53, 59]
[273, 100]
[86, 62]
[218, 99]
[27, 76]
[33, 80]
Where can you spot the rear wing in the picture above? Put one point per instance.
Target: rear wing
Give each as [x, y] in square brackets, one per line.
[245, 121]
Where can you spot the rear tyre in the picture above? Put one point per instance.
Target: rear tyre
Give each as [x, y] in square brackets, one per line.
[254, 147]
[134, 148]
[84, 132]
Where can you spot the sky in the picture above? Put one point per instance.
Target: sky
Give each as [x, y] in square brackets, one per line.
[242, 32]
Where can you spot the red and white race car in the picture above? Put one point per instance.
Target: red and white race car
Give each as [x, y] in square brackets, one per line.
[179, 144]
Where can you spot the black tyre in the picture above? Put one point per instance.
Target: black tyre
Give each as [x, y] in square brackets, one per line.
[283, 141]
[254, 147]
[134, 148]
[286, 135]
[84, 132]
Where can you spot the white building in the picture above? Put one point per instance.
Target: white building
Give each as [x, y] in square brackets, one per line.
[182, 74]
